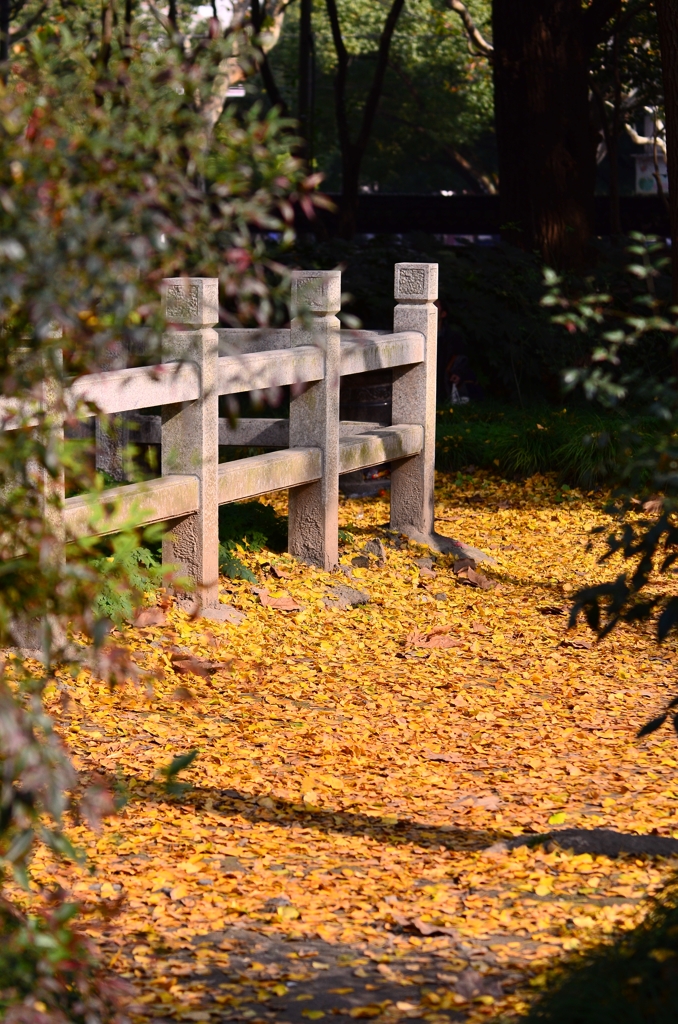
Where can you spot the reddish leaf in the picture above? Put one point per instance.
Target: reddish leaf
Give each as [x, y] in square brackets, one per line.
[183, 663]
[150, 617]
[284, 604]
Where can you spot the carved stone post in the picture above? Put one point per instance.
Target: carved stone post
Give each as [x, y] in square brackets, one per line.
[414, 399]
[190, 434]
[314, 419]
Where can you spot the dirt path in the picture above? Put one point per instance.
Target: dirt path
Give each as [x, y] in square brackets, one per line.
[337, 853]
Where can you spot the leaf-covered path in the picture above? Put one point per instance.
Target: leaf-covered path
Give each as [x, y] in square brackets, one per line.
[337, 852]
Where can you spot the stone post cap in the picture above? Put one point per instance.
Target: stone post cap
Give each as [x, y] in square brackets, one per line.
[191, 301]
[316, 290]
[416, 282]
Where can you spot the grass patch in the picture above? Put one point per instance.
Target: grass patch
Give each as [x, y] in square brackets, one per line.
[584, 446]
[633, 981]
[248, 526]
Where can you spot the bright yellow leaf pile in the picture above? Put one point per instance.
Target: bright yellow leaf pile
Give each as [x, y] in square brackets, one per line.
[349, 783]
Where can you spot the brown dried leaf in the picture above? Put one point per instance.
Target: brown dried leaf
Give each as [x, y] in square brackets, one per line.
[284, 604]
[435, 639]
[584, 645]
[280, 574]
[472, 578]
[653, 505]
[183, 663]
[432, 755]
[150, 617]
[182, 695]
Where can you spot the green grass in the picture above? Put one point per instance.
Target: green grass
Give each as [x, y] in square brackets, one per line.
[631, 981]
[249, 525]
[582, 445]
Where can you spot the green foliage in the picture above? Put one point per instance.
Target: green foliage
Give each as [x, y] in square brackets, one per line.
[123, 578]
[112, 178]
[178, 764]
[44, 960]
[252, 526]
[232, 566]
[580, 444]
[631, 981]
[436, 94]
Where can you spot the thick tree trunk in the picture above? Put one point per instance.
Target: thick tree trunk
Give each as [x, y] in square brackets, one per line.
[546, 142]
[667, 17]
[350, 190]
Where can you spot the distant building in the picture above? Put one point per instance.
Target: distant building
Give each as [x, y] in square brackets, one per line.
[646, 167]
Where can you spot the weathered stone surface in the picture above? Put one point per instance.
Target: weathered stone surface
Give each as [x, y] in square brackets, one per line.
[151, 501]
[414, 398]
[191, 301]
[416, 282]
[314, 420]
[449, 546]
[273, 471]
[190, 435]
[376, 547]
[597, 841]
[345, 597]
[225, 613]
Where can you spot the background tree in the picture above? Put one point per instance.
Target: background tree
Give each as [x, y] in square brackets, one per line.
[112, 177]
[433, 125]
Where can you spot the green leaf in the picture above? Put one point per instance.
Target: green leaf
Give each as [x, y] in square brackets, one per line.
[179, 764]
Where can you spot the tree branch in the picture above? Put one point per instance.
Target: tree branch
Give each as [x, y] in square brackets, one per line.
[341, 78]
[272, 91]
[106, 34]
[644, 140]
[374, 95]
[475, 36]
[23, 30]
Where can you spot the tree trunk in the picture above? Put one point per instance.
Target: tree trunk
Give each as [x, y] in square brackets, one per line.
[350, 190]
[546, 141]
[667, 18]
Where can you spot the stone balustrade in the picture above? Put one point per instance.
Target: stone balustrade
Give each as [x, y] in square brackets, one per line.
[202, 361]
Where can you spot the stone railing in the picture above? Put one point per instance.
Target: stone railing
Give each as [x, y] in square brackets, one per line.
[202, 362]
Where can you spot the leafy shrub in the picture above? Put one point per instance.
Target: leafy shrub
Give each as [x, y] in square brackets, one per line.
[584, 446]
[492, 294]
[631, 981]
[111, 179]
[252, 526]
[124, 577]
[47, 971]
[253, 523]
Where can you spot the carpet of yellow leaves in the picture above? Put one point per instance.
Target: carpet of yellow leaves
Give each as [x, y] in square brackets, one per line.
[349, 784]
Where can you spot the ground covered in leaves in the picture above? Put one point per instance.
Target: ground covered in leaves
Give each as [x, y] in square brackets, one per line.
[339, 851]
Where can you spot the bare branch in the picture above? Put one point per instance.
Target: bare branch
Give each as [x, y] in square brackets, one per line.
[370, 109]
[342, 74]
[475, 36]
[644, 140]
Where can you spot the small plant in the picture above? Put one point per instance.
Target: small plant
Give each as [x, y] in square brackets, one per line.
[232, 566]
[125, 576]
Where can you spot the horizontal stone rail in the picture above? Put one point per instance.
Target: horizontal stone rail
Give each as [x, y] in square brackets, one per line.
[151, 501]
[139, 387]
[293, 467]
[383, 353]
[383, 444]
[274, 471]
[200, 363]
[256, 371]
